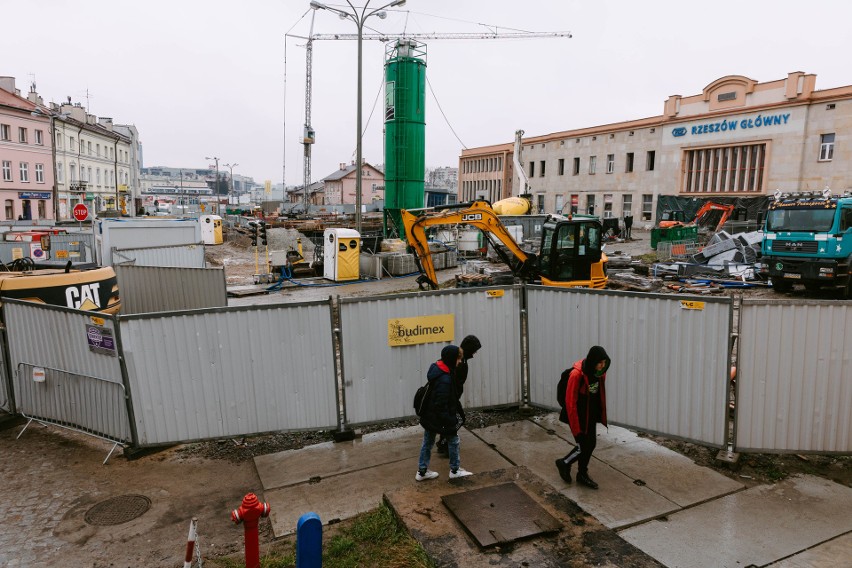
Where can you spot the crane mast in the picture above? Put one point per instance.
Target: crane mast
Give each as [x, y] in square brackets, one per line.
[308, 136]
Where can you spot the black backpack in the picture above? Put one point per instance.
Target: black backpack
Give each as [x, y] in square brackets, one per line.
[421, 399]
[562, 387]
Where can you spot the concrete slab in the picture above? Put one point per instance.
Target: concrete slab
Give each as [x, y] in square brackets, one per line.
[754, 527]
[583, 541]
[338, 481]
[666, 472]
[825, 555]
[619, 502]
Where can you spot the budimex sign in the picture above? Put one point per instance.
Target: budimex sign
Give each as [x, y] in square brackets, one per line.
[423, 329]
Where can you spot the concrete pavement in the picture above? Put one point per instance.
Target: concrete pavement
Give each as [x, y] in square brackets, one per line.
[662, 503]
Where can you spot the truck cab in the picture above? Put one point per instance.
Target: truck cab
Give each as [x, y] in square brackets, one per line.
[808, 240]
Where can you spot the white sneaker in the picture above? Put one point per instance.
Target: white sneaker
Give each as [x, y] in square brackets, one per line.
[460, 472]
[428, 475]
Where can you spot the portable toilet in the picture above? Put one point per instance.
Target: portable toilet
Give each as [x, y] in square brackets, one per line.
[211, 229]
[341, 254]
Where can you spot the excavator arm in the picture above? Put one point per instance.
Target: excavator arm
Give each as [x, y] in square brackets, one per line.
[707, 214]
[478, 214]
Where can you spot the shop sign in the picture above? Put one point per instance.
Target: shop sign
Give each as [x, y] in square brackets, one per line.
[733, 124]
[34, 195]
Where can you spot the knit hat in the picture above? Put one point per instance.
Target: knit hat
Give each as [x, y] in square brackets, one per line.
[449, 355]
[470, 345]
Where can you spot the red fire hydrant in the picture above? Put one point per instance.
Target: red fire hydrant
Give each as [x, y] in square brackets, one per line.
[249, 512]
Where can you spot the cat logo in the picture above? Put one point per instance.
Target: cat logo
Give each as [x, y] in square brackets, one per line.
[472, 217]
[83, 297]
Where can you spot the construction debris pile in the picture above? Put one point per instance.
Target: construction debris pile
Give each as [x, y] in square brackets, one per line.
[395, 261]
[726, 261]
[484, 273]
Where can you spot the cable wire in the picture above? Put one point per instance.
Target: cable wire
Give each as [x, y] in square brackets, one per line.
[429, 83]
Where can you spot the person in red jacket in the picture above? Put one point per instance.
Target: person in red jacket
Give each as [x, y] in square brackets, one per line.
[585, 406]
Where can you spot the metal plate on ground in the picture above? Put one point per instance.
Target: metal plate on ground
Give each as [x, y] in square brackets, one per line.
[500, 514]
[117, 510]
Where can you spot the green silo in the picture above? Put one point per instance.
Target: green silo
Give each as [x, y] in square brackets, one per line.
[405, 130]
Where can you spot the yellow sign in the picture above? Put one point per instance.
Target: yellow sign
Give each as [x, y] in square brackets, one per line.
[424, 329]
[267, 186]
[97, 321]
[691, 305]
[494, 293]
[62, 254]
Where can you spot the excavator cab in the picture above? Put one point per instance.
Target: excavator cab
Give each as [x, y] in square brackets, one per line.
[571, 251]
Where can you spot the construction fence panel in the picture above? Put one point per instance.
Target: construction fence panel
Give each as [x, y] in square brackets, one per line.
[380, 379]
[185, 256]
[66, 368]
[146, 289]
[670, 356]
[6, 403]
[794, 393]
[230, 372]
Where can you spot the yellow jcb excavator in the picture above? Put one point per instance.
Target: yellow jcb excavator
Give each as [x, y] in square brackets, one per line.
[570, 254]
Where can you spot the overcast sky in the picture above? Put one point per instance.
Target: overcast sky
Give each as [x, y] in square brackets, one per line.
[207, 77]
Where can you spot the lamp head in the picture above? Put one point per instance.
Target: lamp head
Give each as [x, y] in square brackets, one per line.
[317, 6]
[382, 15]
[396, 3]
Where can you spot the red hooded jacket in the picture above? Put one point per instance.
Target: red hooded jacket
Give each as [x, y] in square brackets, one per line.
[577, 399]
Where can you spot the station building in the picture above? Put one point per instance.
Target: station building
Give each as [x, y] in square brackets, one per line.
[738, 138]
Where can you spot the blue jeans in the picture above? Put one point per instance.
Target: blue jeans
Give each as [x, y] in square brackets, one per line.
[426, 450]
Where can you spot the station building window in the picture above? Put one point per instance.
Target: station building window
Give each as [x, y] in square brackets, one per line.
[727, 169]
[593, 164]
[628, 166]
[610, 163]
[576, 170]
[647, 207]
[826, 147]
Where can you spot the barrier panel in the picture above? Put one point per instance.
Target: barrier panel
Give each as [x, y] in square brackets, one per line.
[670, 359]
[186, 256]
[66, 368]
[230, 372]
[381, 379]
[794, 392]
[146, 289]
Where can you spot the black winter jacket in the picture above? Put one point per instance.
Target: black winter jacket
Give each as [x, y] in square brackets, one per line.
[443, 407]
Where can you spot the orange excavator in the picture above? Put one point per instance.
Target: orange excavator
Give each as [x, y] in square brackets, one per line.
[711, 217]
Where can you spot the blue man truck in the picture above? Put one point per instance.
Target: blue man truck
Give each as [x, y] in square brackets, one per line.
[808, 240]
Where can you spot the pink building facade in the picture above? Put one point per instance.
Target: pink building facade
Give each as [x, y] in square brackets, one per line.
[340, 186]
[26, 158]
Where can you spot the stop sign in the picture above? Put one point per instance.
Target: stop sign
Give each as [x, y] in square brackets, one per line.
[81, 212]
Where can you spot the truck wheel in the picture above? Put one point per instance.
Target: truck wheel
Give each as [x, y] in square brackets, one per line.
[782, 286]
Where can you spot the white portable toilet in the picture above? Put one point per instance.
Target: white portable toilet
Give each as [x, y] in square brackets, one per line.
[341, 254]
[211, 229]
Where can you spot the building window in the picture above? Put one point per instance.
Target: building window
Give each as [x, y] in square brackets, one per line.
[728, 169]
[42, 209]
[649, 161]
[590, 204]
[89, 147]
[39, 137]
[39, 171]
[111, 154]
[627, 205]
[59, 172]
[25, 172]
[560, 203]
[98, 150]
[73, 169]
[540, 199]
[610, 163]
[826, 147]
[5, 132]
[532, 169]
[89, 174]
[593, 164]
[607, 206]
[7, 170]
[71, 143]
[647, 207]
[575, 202]
[541, 168]
[562, 166]
[576, 169]
[22, 135]
[628, 166]
[10, 209]
[98, 176]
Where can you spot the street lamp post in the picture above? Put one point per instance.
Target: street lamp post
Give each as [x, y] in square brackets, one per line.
[216, 185]
[231, 186]
[359, 19]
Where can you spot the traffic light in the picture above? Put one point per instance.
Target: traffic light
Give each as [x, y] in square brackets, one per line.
[253, 233]
[262, 232]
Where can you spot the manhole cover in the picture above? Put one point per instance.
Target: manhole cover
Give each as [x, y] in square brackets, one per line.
[117, 510]
[500, 514]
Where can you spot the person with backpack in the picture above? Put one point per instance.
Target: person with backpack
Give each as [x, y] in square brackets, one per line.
[583, 406]
[442, 414]
[469, 346]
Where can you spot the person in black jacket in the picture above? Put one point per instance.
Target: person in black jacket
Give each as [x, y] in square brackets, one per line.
[442, 415]
[469, 345]
[585, 406]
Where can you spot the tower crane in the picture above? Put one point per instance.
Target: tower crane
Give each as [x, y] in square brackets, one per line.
[309, 136]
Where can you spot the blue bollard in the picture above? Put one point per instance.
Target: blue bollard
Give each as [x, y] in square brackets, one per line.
[309, 541]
